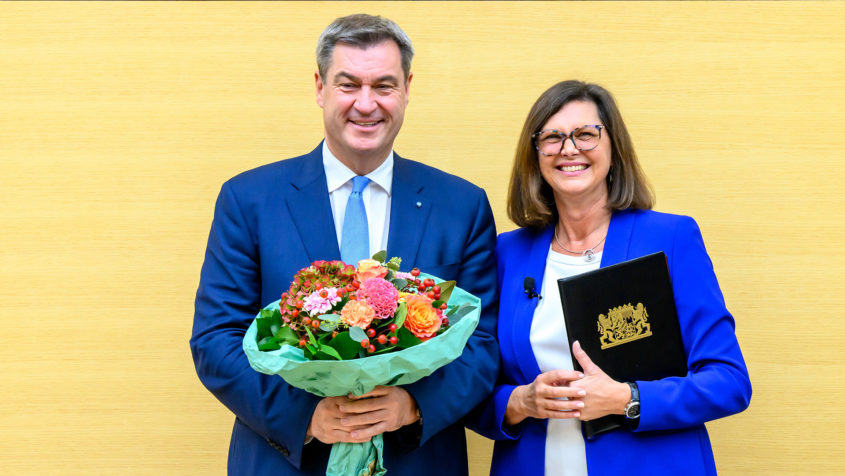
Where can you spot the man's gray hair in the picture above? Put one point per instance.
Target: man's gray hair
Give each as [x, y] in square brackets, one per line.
[361, 30]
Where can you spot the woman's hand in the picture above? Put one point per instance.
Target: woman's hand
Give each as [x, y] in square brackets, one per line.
[604, 396]
[543, 398]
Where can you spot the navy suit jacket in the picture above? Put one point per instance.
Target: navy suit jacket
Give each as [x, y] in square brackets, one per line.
[271, 222]
[671, 437]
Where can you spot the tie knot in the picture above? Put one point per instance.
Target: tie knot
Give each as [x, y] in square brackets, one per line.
[359, 183]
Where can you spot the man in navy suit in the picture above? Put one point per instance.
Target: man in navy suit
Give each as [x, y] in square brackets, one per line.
[274, 220]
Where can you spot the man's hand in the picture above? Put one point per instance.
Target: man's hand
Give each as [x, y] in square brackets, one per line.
[383, 409]
[326, 423]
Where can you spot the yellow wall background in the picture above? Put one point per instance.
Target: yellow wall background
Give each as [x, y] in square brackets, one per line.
[120, 121]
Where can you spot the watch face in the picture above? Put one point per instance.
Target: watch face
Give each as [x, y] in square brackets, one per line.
[633, 410]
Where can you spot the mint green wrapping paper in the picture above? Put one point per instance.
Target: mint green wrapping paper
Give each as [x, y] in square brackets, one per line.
[329, 378]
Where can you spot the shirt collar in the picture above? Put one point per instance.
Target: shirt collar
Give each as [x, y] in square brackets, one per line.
[337, 174]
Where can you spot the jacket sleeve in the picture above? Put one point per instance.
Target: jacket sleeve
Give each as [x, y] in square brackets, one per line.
[488, 418]
[449, 393]
[226, 303]
[717, 383]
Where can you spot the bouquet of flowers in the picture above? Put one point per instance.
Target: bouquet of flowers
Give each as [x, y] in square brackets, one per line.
[341, 329]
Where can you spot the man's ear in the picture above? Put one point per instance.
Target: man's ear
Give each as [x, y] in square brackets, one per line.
[319, 86]
[408, 87]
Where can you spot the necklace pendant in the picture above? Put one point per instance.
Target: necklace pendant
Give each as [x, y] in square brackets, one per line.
[589, 256]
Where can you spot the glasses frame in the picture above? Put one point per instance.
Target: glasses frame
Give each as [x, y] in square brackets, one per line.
[570, 136]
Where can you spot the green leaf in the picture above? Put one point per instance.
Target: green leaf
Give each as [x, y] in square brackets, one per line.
[331, 317]
[401, 313]
[399, 283]
[269, 343]
[345, 346]
[380, 256]
[311, 339]
[266, 313]
[327, 353]
[262, 325]
[357, 334]
[390, 275]
[460, 312]
[328, 326]
[406, 338]
[446, 288]
[394, 263]
[287, 336]
[436, 304]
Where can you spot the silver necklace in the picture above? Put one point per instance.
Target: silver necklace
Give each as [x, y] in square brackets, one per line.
[589, 255]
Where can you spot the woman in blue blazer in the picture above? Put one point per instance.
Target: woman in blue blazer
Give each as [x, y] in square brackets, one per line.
[582, 202]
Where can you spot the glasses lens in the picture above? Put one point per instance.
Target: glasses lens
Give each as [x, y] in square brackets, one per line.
[549, 142]
[586, 137]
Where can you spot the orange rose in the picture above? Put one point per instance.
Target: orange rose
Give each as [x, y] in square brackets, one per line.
[370, 268]
[357, 313]
[422, 320]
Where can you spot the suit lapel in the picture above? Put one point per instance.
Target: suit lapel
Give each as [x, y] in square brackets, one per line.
[310, 208]
[409, 211]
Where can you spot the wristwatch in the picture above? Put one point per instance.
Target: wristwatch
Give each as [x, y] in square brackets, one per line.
[632, 409]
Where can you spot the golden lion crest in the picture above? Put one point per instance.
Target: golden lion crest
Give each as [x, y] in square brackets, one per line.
[623, 324]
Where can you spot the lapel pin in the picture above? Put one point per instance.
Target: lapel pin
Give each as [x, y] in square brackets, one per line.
[419, 204]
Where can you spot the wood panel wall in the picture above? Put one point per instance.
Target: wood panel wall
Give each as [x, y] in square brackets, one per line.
[120, 121]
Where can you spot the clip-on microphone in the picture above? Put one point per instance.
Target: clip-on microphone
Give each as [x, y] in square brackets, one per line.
[528, 284]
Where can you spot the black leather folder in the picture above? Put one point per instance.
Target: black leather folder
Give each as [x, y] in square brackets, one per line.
[625, 319]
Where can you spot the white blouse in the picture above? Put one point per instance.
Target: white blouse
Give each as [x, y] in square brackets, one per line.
[565, 453]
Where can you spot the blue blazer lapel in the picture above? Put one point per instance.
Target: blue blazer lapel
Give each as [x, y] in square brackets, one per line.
[535, 267]
[618, 238]
[311, 210]
[409, 211]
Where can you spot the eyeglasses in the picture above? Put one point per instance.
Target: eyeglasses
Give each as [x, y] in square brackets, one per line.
[550, 142]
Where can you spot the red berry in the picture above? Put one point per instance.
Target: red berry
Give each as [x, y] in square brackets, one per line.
[382, 339]
[307, 321]
[339, 293]
[318, 286]
[394, 340]
[445, 321]
[365, 343]
[315, 323]
[302, 342]
[371, 348]
[334, 334]
[430, 294]
[436, 289]
[392, 327]
[299, 304]
[371, 333]
[415, 272]
[443, 306]
[356, 284]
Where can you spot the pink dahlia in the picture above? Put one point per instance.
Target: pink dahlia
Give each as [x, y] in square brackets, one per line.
[381, 296]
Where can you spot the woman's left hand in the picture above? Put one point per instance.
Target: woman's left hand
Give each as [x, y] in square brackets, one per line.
[605, 396]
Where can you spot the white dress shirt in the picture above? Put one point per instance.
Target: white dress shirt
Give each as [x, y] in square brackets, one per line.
[565, 452]
[376, 197]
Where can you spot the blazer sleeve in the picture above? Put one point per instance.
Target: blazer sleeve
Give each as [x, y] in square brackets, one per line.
[488, 418]
[226, 303]
[717, 383]
[446, 396]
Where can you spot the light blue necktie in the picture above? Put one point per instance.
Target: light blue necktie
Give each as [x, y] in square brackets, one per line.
[355, 240]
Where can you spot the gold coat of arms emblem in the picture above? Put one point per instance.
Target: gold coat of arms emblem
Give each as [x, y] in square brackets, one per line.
[623, 324]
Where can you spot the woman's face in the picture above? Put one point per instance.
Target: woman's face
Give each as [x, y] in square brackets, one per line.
[574, 174]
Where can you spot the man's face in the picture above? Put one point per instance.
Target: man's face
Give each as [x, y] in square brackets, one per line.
[363, 101]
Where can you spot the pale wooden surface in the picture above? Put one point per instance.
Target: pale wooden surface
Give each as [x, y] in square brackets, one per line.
[120, 121]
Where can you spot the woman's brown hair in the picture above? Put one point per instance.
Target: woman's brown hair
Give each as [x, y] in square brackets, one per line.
[531, 201]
